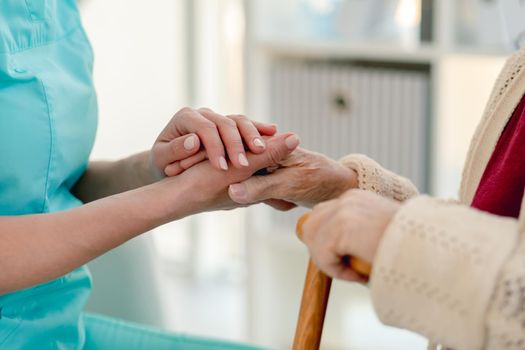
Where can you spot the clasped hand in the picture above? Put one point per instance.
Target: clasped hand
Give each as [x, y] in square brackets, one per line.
[200, 153]
[344, 221]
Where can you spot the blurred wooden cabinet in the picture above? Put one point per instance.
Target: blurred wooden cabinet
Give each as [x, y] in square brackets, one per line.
[341, 107]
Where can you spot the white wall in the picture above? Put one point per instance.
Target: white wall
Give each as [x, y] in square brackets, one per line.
[466, 83]
[140, 75]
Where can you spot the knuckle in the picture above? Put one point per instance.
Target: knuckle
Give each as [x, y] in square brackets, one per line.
[188, 117]
[274, 155]
[205, 109]
[230, 123]
[236, 143]
[185, 110]
[205, 124]
[238, 117]
[175, 146]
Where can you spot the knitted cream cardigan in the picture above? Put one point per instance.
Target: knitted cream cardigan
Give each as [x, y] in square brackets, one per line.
[449, 272]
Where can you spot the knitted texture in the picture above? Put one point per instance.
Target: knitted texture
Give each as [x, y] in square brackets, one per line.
[506, 94]
[453, 273]
[372, 177]
[439, 279]
[506, 314]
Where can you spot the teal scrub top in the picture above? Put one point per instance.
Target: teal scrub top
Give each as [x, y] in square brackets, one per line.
[48, 119]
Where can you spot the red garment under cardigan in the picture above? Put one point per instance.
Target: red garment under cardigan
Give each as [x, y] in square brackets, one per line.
[500, 190]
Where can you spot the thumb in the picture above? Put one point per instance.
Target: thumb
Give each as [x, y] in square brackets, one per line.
[165, 153]
[259, 188]
[255, 189]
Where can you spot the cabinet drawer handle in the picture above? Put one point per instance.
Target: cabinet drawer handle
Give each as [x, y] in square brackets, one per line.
[341, 102]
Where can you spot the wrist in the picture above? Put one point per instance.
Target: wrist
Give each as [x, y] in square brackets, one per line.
[346, 179]
[142, 170]
[169, 199]
[149, 172]
[351, 179]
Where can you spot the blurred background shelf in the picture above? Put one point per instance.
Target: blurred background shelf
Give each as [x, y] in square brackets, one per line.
[425, 53]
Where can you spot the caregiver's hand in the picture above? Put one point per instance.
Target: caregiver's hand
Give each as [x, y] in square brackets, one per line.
[177, 148]
[304, 177]
[352, 224]
[37, 248]
[220, 135]
[206, 188]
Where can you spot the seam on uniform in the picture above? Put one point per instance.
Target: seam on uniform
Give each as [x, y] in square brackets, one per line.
[10, 333]
[65, 36]
[51, 144]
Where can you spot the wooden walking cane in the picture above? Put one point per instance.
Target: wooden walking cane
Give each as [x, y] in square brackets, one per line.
[315, 299]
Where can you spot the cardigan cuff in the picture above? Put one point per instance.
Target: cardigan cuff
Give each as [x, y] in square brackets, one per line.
[373, 177]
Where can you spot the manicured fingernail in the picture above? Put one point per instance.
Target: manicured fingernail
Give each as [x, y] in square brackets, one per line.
[223, 164]
[292, 141]
[189, 143]
[242, 159]
[259, 143]
[238, 190]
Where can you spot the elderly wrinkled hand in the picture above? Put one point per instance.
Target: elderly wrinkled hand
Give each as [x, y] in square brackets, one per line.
[351, 225]
[208, 187]
[303, 178]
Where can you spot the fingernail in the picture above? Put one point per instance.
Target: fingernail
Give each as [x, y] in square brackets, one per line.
[292, 141]
[223, 164]
[242, 159]
[238, 190]
[189, 143]
[259, 143]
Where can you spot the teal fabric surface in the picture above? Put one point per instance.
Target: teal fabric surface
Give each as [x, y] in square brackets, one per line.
[119, 335]
[48, 120]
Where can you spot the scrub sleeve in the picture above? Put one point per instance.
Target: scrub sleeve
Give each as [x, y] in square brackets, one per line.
[48, 121]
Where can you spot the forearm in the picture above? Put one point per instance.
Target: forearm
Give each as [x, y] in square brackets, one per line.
[39, 248]
[106, 178]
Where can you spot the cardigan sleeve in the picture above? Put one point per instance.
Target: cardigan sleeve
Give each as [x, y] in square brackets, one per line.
[373, 177]
[506, 314]
[437, 268]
